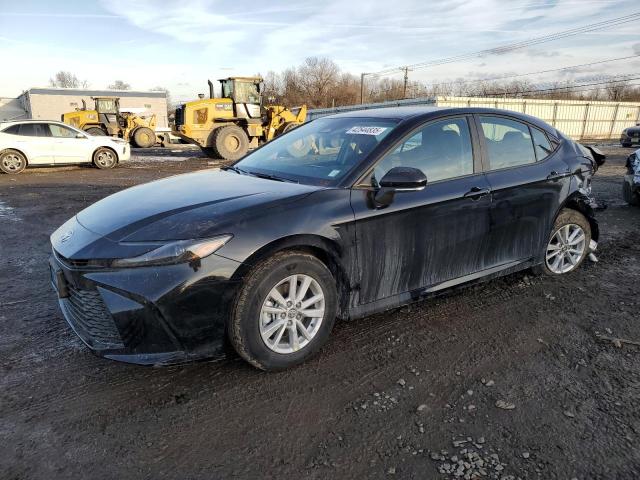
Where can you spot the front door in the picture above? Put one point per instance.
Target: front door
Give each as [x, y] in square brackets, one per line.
[424, 237]
[526, 178]
[70, 145]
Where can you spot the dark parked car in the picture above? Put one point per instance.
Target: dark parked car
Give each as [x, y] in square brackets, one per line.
[630, 136]
[631, 182]
[342, 217]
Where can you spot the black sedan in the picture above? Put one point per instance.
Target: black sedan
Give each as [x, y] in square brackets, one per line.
[630, 136]
[342, 217]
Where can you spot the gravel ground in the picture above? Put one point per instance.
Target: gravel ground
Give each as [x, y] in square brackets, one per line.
[503, 380]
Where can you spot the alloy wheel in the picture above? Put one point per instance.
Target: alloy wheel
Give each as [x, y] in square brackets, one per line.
[12, 162]
[105, 159]
[566, 248]
[292, 313]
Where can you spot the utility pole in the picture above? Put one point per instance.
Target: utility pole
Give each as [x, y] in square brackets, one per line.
[406, 80]
[362, 87]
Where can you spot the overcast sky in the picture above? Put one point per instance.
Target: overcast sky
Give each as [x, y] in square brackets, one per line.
[178, 44]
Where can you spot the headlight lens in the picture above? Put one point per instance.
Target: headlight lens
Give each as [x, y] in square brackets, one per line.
[182, 251]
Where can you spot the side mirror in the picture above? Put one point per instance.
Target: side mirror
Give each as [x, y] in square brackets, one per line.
[398, 179]
[80, 135]
[404, 179]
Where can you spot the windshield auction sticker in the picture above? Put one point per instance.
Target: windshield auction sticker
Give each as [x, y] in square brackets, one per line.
[366, 130]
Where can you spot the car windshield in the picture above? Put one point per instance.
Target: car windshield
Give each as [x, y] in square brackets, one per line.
[320, 152]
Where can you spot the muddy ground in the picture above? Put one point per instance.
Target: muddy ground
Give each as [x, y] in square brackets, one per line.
[385, 399]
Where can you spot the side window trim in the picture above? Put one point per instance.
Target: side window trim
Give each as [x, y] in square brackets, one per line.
[361, 182]
[554, 145]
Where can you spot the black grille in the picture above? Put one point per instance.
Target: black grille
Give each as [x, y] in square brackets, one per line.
[179, 117]
[88, 315]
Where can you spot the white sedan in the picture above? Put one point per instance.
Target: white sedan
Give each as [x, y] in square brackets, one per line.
[35, 142]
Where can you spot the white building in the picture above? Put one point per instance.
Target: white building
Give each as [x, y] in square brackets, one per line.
[51, 103]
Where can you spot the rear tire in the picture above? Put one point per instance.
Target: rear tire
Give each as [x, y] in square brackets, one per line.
[568, 244]
[12, 162]
[230, 142]
[96, 131]
[631, 197]
[104, 158]
[256, 313]
[144, 137]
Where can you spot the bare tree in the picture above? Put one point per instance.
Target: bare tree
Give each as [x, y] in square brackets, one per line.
[617, 90]
[317, 80]
[64, 79]
[119, 85]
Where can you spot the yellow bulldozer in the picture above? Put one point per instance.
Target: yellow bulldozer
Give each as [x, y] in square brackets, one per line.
[107, 119]
[228, 126]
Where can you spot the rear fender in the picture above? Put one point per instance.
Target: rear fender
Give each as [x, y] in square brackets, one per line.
[582, 202]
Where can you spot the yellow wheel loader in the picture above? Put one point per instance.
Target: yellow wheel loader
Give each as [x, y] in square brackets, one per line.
[108, 119]
[227, 127]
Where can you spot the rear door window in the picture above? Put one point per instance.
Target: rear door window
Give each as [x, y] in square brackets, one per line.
[509, 142]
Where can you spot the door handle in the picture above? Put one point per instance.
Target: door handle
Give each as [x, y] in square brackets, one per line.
[476, 193]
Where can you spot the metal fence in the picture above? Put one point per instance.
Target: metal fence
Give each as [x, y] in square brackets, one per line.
[580, 120]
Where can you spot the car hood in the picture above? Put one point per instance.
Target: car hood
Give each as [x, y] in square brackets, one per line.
[194, 205]
[632, 130]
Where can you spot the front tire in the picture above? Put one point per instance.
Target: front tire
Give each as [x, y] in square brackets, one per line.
[144, 137]
[105, 158]
[230, 142]
[12, 161]
[631, 197]
[284, 312]
[568, 244]
[96, 132]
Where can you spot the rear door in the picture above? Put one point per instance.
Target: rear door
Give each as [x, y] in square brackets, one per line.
[33, 140]
[70, 146]
[527, 179]
[429, 236]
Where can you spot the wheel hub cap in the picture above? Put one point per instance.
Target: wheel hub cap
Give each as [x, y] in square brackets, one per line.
[292, 313]
[12, 162]
[566, 248]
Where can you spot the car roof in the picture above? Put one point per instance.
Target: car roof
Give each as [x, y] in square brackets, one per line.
[427, 112]
[30, 120]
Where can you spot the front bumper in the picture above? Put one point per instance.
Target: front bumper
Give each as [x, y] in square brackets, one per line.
[150, 315]
[629, 140]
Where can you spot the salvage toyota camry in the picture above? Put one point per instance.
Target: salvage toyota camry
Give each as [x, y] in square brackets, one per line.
[344, 216]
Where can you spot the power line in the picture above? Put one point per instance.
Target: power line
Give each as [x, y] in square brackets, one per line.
[568, 87]
[515, 46]
[606, 79]
[533, 73]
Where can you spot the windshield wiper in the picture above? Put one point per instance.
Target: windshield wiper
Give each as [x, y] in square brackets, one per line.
[235, 169]
[269, 176]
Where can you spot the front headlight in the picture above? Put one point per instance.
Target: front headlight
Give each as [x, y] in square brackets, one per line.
[182, 251]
